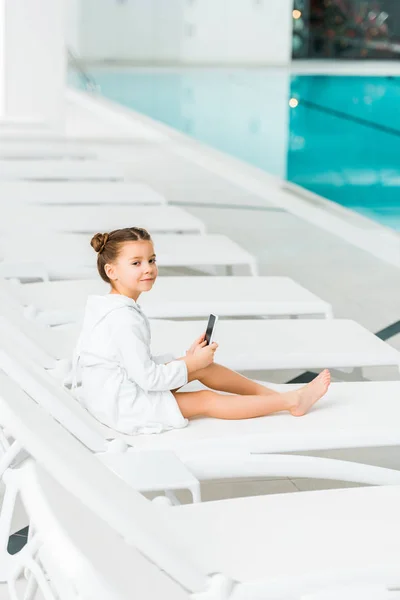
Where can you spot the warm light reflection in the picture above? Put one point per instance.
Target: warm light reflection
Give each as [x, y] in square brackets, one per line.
[296, 14]
[293, 102]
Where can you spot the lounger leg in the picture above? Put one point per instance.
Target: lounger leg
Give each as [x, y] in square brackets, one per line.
[239, 463]
[254, 269]
[196, 493]
[172, 498]
[37, 577]
[9, 500]
[329, 313]
[25, 557]
[31, 588]
[358, 374]
[6, 515]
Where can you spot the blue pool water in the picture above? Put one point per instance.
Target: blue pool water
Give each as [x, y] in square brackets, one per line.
[341, 141]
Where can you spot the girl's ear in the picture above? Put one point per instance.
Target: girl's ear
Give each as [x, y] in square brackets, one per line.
[109, 270]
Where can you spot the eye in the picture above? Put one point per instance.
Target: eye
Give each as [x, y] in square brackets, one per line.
[152, 260]
[136, 264]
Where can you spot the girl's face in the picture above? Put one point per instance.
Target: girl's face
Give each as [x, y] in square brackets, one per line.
[135, 269]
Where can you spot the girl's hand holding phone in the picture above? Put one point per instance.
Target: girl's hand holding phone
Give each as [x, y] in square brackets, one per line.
[200, 355]
[200, 341]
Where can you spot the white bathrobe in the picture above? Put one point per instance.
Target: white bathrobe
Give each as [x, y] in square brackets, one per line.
[122, 384]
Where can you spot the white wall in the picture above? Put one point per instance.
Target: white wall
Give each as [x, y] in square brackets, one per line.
[238, 31]
[34, 66]
[73, 30]
[185, 31]
[2, 56]
[130, 30]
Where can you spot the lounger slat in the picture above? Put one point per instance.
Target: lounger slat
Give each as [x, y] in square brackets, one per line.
[281, 344]
[56, 169]
[179, 297]
[74, 193]
[90, 219]
[71, 256]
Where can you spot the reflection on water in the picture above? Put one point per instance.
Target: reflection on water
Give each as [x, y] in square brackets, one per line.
[241, 113]
[345, 142]
[337, 136]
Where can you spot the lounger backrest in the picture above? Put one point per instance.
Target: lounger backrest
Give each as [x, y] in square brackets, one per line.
[9, 290]
[48, 393]
[90, 555]
[64, 169]
[30, 329]
[67, 295]
[143, 524]
[21, 269]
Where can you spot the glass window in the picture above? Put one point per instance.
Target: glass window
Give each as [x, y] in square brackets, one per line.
[346, 29]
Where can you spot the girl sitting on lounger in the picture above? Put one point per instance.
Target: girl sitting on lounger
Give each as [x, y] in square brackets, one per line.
[131, 391]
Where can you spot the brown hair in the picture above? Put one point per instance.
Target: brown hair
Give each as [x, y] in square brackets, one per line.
[108, 245]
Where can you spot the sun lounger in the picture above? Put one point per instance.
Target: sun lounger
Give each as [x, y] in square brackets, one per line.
[213, 448]
[27, 132]
[45, 345]
[281, 344]
[359, 414]
[99, 566]
[58, 302]
[57, 169]
[244, 345]
[70, 256]
[91, 219]
[93, 558]
[308, 540]
[83, 193]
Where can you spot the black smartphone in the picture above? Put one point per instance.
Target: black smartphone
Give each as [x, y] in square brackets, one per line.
[212, 321]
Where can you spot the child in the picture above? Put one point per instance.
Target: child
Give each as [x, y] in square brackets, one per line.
[131, 391]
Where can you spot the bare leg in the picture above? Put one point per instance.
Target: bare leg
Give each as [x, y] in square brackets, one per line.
[208, 403]
[223, 379]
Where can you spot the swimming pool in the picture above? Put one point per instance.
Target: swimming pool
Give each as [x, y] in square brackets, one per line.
[340, 138]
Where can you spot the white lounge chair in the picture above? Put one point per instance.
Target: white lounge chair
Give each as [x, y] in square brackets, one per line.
[213, 448]
[245, 345]
[101, 568]
[281, 344]
[57, 169]
[58, 302]
[83, 193]
[70, 256]
[20, 132]
[93, 559]
[19, 123]
[308, 541]
[90, 219]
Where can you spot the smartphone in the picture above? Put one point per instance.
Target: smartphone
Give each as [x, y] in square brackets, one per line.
[212, 321]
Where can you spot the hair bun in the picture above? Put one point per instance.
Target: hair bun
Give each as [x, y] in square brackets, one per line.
[98, 241]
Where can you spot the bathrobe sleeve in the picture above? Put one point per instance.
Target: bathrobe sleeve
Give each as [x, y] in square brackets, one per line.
[161, 359]
[140, 366]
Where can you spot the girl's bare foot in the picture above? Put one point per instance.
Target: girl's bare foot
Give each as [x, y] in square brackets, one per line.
[310, 394]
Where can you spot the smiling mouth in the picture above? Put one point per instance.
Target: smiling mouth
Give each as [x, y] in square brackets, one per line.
[147, 280]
